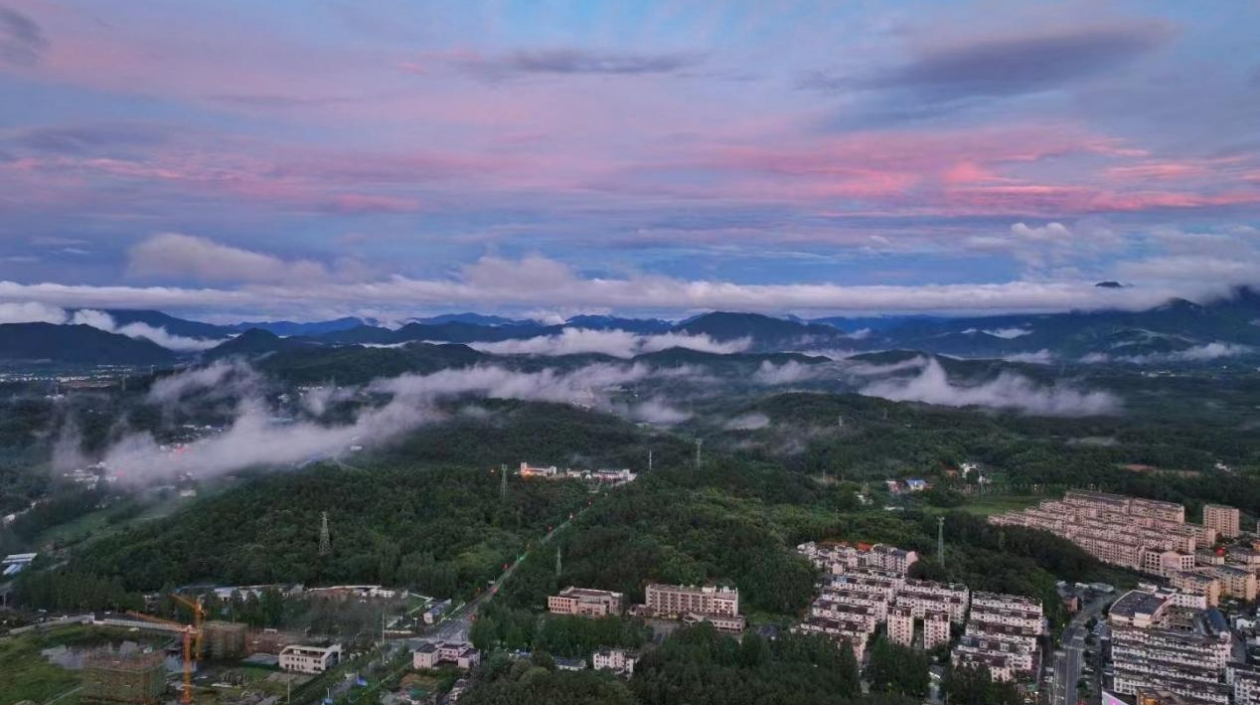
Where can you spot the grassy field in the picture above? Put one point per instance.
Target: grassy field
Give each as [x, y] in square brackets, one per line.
[996, 504]
[26, 675]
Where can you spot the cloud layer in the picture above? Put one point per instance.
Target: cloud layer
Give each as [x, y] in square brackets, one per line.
[617, 343]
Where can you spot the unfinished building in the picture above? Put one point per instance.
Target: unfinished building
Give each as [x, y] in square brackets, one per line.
[112, 677]
[225, 640]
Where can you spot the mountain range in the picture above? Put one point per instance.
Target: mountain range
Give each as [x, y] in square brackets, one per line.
[1178, 331]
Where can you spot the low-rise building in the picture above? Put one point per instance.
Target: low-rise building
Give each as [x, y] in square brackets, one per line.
[1197, 582]
[309, 659]
[430, 654]
[585, 602]
[619, 661]
[1235, 582]
[923, 596]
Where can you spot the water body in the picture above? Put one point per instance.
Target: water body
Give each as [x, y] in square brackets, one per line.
[72, 656]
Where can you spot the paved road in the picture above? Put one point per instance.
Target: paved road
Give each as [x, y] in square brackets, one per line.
[1069, 659]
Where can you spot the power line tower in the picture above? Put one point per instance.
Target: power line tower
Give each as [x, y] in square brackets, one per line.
[649, 460]
[940, 540]
[558, 564]
[502, 483]
[325, 539]
[699, 443]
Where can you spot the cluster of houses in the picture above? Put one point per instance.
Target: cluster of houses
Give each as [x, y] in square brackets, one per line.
[603, 476]
[865, 585]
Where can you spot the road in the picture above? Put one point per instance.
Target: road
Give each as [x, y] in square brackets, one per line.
[1069, 659]
[458, 624]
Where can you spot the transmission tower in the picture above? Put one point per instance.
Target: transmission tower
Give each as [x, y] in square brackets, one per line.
[940, 540]
[558, 565]
[325, 540]
[502, 483]
[649, 460]
[699, 442]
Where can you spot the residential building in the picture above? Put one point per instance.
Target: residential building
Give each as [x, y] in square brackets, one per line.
[1236, 583]
[430, 654]
[673, 601]
[1001, 634]
[1140, 608]
[1166, 563]
[619, 661]
[1244, 681]
[309, 659]
[852, 633]
[1187, 663]
[935, 630]
[726, 623]
[901, 625]
[585, 602]
[843, 557]
[924, 596]
[570, 664]
[1225, 520]
[1198, 582]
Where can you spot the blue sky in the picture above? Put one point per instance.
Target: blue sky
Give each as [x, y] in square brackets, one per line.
[310, 159]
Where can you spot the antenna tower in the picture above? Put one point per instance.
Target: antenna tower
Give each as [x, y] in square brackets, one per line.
[940, 540]
[558, 565]
[502, 482]
[325, 540]
[699, 442]
[649, 460]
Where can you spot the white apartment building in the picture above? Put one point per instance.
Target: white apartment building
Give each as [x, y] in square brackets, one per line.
[1244, 682]
[1166, 563]
[867, 616]
[1237, 583]
[675, 600]
[1002, 634]
[309, 659]
[935, 630]
[839, 558]
[923, 596]
[1225, 520]
[852, 633]
[618, 661]
[901, 625]
[1198, 583]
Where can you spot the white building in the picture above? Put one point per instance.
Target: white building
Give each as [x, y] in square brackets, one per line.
[309, 659]
[432, 653]
[618, 661]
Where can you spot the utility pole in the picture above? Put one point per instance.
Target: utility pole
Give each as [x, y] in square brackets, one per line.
[325, 539]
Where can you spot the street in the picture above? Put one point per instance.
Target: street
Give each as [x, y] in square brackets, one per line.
[1069, 659]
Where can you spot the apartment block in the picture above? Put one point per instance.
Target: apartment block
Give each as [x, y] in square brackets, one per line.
[923, 596]
[585, 602]
[1002, 634]
[1139, 534]
[901, 625]
[1236, 583]
[1187, 663]
[1198, 582]
[673, 601]
[935, 630]
[843, 557]
[852, 633]
[1225, 520]
[1244, 682]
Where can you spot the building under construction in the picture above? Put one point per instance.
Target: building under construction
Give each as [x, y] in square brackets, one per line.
[225, 640]
[112, 677]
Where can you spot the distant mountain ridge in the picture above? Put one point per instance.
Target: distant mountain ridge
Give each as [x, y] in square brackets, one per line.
[77, 344]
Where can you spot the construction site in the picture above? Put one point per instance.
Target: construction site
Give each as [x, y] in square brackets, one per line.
[111, 677]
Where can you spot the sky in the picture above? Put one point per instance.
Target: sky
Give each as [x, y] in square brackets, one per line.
[317, 158]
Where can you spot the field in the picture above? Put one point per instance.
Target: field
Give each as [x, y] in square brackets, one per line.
[996, 504]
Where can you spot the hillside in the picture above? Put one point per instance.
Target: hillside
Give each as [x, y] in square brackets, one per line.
[77, 344]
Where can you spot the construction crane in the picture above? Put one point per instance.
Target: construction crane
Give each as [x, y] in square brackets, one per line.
[191, 640]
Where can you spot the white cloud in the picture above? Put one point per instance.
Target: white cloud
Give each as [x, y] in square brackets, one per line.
[617, 343]
[748, 422]
[31, 312]
[1040, 357]
[1198, 353]
[137, 329]
[1006, 391]
[1008, 333]
[789, 372]
[185, 256]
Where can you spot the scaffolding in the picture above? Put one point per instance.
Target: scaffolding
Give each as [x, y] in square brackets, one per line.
[112, 677]
[226, 640]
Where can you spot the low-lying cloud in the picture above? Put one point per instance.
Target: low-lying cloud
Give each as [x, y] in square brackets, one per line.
[1198, 353]
[258, 436]
[1008, 391]
[36, 312]
[616, 343]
